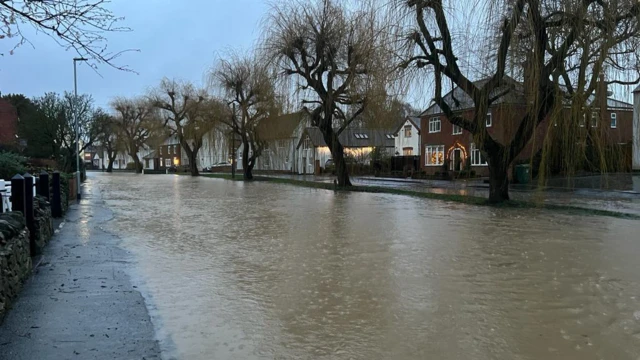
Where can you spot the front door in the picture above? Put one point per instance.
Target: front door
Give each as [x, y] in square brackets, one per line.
[456, 160]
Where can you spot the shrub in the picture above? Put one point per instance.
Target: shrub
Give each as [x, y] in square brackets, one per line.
[11, 164]
[131, 166]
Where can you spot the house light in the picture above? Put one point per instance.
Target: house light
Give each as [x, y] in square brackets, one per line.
[176, 161]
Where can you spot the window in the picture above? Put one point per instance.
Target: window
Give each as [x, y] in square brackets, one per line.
[457, 130]
[160, 150]
[175, 149]
[594, 119]
[614, 120]
[407, 151]
[407, 131]
[434, 125]
[434, 155]
[489, 121]
[167, 162]
[477, 158]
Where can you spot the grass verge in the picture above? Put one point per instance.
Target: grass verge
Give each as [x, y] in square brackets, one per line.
[465, 199]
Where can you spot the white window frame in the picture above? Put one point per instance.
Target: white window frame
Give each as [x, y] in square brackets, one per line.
[429, 150]
[160, 150]
[476, 156]
[614, 120]
[167, 162]
[407, 130]
[489, 122]
[457, 130]
[432, 125]
[594, 119]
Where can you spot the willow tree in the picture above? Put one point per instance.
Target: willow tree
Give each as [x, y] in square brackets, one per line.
[81, 25]
[337, 52]
[108, 139]
[248, 88]
[136, 120]
[558, 48]
[187, 113]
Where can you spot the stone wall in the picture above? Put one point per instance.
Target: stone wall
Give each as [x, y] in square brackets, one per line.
[43, 227]
[15, 260]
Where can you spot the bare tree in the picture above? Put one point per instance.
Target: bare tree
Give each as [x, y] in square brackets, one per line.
[108, 137]
[339, 55]
[189, 114]
[136, 120]
[566, 45]
[81, 25]
[249, 89]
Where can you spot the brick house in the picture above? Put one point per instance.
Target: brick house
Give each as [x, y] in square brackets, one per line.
[448, 146]
[166, 155]
[8, 124]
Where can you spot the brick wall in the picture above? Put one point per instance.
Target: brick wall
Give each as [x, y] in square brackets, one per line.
[8, 123]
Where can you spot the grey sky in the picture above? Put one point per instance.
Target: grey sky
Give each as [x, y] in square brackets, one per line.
[177, 39]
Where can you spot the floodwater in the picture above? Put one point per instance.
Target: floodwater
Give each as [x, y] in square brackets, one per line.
[236, 270]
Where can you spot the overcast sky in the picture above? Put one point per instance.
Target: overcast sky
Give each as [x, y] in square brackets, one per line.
[177, 39]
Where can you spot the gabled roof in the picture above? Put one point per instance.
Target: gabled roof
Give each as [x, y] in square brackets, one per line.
[414, 120]
[281, 127]
[352, 137]
[151, 155]
[515, 96]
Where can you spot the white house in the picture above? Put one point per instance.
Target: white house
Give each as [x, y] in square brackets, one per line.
[280, 135]
[313, 153]
[407, 137]
[636, 129]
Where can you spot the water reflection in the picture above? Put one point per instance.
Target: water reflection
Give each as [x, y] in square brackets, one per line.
[274, 271]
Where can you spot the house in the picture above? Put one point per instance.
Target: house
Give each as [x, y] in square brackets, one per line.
[312, 151]
[8, 124]
[169, 154]
[280, 136]
[407, 137]
[636, 129]
[449, 146]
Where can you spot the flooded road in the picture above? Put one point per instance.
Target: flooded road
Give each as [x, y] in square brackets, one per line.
[236, 270]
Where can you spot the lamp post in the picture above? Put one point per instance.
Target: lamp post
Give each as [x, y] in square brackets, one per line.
[75, 120]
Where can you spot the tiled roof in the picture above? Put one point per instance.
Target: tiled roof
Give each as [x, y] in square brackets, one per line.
[352, 137]
[414, 120]
[281, 127]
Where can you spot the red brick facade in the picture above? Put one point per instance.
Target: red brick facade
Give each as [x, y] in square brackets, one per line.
[504, 121]
[168, 154]
[8, 124]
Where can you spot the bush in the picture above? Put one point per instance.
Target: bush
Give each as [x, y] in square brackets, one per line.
[11, 164]
[130, 166]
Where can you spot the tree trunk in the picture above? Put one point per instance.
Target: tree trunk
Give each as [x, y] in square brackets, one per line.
[337, 152]
[136, 163]
[110, 164]
[193, 165]
[498, 180]
[247, 166]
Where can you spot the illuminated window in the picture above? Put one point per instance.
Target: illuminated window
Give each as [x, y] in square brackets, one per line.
[457, 130]
[489, 121]
[477, 158]
[434, 155]
[407, 151]
[407, 131]
[434, 125]
[614, 120]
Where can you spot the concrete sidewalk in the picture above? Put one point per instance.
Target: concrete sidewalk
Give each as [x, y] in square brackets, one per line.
[80, 302]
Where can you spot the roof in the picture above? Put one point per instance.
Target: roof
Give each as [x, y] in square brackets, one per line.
[459, 100]
[515, 96]
[637, 89]
[151, 155]
[414, 120]
[281, 127]
[352, 137]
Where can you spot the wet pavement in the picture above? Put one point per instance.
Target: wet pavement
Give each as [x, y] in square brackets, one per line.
[235, 270]
[80, 303]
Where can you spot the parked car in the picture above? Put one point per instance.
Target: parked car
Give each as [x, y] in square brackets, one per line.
[222, 163]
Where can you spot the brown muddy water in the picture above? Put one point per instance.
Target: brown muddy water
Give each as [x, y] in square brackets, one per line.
[236, 270]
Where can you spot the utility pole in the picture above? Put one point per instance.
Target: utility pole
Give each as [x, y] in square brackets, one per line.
[233, 143]
[75, 118]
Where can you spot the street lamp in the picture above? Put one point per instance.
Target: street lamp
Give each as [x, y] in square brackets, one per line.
[75, 120]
